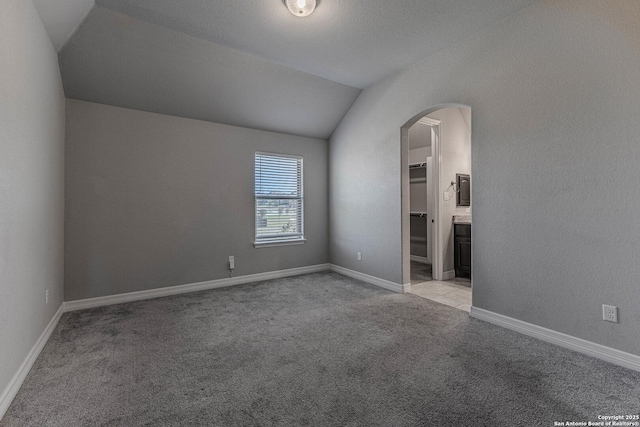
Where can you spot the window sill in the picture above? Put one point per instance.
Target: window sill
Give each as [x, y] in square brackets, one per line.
[270, 244]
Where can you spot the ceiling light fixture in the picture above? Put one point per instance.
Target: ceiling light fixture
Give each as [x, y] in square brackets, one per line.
[300, 8]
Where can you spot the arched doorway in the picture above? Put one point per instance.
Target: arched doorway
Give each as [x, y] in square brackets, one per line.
[446, 127]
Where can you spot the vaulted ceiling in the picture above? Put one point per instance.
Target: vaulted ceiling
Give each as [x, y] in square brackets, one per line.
[251, 63]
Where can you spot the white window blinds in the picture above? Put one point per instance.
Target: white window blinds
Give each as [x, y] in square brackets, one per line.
[279, 198]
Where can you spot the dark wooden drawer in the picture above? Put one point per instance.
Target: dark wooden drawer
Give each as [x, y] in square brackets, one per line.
[462, 250]
[462, 230]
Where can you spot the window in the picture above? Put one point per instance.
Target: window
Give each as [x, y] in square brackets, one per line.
[279, 199]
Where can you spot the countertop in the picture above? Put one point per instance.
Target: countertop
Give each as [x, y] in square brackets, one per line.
[462, 219]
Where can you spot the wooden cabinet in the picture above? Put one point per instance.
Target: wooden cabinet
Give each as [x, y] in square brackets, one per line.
[462, 249]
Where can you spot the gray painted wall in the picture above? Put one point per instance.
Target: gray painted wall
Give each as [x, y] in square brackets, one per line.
[419, 137]
[455, 151]
[555, 151]
[419, 155]
[31, 183]
[154, 201]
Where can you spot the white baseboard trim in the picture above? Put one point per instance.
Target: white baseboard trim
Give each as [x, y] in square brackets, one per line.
[14, 385]
[395, 287]
[448, 275]
[420, 259]
[192, 287]
[589, 348]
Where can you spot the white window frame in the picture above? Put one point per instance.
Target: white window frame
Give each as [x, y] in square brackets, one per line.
[276, 240]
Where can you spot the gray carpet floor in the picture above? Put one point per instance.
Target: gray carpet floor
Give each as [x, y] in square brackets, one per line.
[314, 350]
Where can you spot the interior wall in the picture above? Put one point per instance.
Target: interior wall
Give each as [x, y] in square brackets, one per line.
[31, 183]
[555, 146]
[419, 137]
[419, 155]
[455, 151]
[155, 200]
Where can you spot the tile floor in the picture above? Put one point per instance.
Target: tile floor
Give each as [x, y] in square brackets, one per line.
[454, 293]
[420, 272]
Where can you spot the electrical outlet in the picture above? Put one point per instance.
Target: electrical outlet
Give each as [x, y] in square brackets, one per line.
[359, 256]
[610, 313]
[46, 296]
[446, 195]
[232, 262]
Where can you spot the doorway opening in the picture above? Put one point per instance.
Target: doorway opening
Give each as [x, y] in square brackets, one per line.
[436, 204]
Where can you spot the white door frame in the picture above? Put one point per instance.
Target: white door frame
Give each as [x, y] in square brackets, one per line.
[436, 234]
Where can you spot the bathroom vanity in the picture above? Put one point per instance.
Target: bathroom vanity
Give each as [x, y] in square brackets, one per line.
[462, 245]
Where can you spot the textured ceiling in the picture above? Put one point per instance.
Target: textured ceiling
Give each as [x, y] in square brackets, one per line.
[118, 60]
[253, 64]
[354, 42]
[62, 17]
